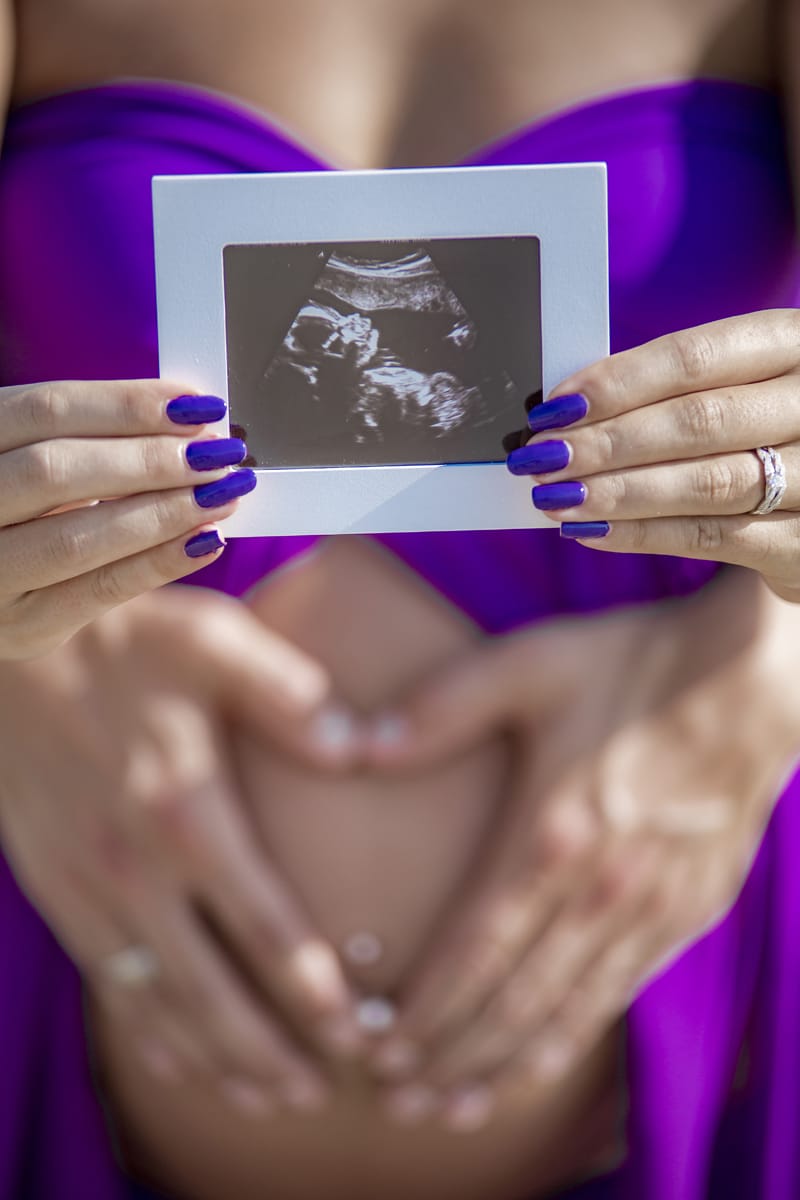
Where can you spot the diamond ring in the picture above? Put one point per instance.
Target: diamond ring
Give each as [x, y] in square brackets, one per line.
[774, 480]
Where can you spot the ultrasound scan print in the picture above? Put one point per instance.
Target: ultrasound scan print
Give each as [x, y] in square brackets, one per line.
[382, 353]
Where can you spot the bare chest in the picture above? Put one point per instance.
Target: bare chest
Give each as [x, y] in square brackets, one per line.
[379, 82]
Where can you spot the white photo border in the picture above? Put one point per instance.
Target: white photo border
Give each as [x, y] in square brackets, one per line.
[195, 217]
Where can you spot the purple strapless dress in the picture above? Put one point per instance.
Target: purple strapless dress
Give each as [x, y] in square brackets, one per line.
[701, 227]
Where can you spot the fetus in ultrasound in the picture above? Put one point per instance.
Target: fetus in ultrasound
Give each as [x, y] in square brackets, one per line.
[382, 363]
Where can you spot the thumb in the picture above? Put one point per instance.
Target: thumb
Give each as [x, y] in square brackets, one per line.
[487, 689]
[280, 691]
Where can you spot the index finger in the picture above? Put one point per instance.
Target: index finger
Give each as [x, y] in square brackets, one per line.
[744, 349]
[104, 408]
[487, 933]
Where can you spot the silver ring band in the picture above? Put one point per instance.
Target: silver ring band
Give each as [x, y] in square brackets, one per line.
[132, 967]
[774, 480]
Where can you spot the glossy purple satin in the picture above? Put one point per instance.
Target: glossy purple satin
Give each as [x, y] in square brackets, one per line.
[701, 227]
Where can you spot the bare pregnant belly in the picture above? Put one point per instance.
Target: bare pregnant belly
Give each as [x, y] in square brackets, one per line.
[368, 856]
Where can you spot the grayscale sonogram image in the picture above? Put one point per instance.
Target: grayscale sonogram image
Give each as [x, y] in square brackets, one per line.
[382, 352]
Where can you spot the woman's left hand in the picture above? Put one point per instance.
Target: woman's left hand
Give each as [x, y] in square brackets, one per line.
[654, 447]
[651, 746]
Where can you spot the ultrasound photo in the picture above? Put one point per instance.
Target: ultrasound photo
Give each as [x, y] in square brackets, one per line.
[382, 352]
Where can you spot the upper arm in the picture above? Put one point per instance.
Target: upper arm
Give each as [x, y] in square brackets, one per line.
[787, 29]
[6, 56]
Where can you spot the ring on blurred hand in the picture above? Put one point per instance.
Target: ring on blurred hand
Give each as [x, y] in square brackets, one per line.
[774, 480]
[134, 966]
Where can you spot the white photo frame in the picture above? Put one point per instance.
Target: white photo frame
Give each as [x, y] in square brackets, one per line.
[562, 207]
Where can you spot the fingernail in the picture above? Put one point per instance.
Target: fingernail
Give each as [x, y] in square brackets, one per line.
[220, 452]
[390, 731]
[469, 1109]
[396, 1058]
[196, 410]
[305, 1094]
[585, 529]
[332, 730]
[555, 414]
[316, 969]
[411, 1104]
[538, 458]
[207, 542]
[558, 495]
[222, 491]
[245, 1097]
[376, 1014]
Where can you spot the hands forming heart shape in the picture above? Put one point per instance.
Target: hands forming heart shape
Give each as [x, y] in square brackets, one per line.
[602, 786]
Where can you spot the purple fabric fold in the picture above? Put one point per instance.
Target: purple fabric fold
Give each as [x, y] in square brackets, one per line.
[701, 227]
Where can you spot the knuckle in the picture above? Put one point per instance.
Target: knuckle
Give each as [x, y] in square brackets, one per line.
[46, 407]
[694, 354]
[66, 543]
[612, 885]
[158, 457]
[132, 408]
[701, 417]
[706, 535]
[614, 492]
[106, 586]
[659, 902]
[43, 469]
[556, 844]
[605, 442]
[607, 381]
[719, 483]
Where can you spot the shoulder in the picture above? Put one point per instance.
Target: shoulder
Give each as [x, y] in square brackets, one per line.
[786, 27]
[6, 54]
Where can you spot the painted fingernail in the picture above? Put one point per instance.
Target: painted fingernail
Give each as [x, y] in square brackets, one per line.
[558, 495]
[585, 529]
[220, 452]
[410, 1105]
[555, 414]
[246, 1097]
[538, 458]
[222, 491]
[396, 1058]
[469, 1109]
[196, 410]
[207, 542]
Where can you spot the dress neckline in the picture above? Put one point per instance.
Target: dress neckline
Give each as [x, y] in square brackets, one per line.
[226, 105]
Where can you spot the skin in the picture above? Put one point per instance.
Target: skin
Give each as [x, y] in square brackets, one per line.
[67, 559]
[424, 84]
[350, 847]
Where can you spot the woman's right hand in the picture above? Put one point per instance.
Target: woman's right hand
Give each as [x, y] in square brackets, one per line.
[136, 445]
[122, 822]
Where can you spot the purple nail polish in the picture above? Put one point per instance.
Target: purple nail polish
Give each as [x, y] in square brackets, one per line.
[220, 452]
[222, 491]
[196, 410]
[538, 458]
[549, 496]
[584, 529]
[555, 414]
[203, 543]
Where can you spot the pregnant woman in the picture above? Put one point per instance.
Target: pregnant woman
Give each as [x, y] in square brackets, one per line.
[591, 781]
